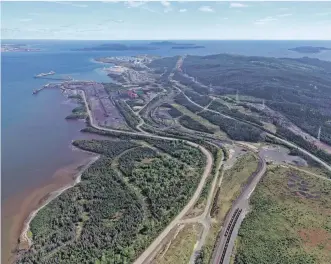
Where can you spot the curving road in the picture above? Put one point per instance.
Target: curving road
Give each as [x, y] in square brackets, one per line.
[288, 143]
[225, 245]
[151, 250]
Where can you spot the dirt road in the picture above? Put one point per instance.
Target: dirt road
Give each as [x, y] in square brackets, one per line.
[288, 143]
[151, 250]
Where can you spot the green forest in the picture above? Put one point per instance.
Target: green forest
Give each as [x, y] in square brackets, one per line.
[236, 130]
[182, 100]
[130, 117]
[190, 123]
[202, 100]
[110, 217]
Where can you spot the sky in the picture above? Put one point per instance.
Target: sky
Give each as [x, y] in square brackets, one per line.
[162, 20]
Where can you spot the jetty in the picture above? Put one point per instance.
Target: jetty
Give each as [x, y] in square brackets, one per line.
[49, 85]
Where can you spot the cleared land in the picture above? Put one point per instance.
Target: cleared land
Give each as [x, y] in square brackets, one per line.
[181, 247]
[290, 221]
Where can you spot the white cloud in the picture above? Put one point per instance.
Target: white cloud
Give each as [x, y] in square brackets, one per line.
[225, 18]
[284, 15]
[323, 14]
[264, 20]
[206, 9]
[237, 5]
[70, 3]
[34, 14]
[323, 22]
[167, 6]
[182, 10]
[139, 4]
[25, 19]
[165, 3]
[111, 20]
[134, 3]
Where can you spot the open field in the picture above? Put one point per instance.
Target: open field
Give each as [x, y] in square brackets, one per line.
[290, 220]
[181, 247]
[233, 181]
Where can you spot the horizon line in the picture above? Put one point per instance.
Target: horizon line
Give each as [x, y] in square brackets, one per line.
[2, 39]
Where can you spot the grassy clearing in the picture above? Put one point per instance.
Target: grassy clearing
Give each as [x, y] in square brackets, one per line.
[233, 180]
[321, 171]
[181, 247]
[290, 221]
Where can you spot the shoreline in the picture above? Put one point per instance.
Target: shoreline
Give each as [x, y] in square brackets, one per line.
[24, 238]
[18, 211]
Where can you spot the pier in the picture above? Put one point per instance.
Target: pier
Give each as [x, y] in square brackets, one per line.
[49, 85]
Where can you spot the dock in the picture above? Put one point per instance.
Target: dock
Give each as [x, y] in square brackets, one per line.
[49, 85]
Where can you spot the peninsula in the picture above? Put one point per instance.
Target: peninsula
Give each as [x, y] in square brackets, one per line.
[17, 48]
[116, 47]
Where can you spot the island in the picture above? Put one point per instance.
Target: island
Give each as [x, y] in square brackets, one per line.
[188, 47]
[17, 48]
[115, 47]
[168, 43]
[309, 49]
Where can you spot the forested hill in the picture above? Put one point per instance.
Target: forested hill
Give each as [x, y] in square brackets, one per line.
[298, 88]
[298, 80]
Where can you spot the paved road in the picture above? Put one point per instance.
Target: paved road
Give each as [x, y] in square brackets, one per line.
[327, 166]
[151, 250]
[242, 202]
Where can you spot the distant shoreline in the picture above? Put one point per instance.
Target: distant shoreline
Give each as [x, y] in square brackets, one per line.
[309, 49]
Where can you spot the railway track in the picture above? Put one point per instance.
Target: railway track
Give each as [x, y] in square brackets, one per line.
[228, 232]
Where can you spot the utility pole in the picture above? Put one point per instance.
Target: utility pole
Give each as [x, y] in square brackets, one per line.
[319, 133]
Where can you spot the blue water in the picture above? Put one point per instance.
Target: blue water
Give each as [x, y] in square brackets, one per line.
[36, 137]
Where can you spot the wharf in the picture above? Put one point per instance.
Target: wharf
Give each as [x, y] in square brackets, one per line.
[49, 85]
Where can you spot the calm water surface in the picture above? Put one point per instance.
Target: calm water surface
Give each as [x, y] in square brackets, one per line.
[36, 137]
